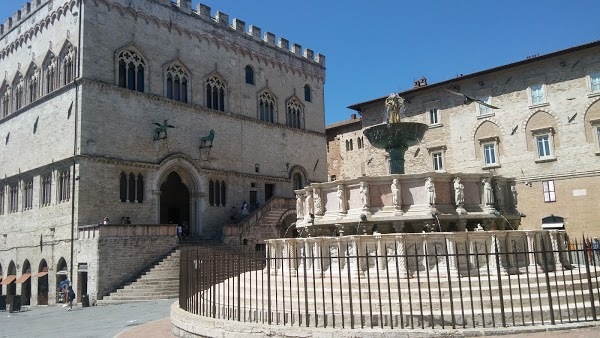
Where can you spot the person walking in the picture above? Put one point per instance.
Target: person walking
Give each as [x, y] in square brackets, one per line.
[70, 297]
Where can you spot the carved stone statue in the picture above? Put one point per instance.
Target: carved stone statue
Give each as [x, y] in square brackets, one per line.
[341, 199]
[430, 188]
[299, 205]
[393, 105]
[488, 193]
[513, 190]
[318, 202]
[396, 193]
[364, 195]
[499, 194]
[309, 204]
[459, 192]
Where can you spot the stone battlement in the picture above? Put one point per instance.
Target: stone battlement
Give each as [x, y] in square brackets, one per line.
[21, 15]
[185, 6]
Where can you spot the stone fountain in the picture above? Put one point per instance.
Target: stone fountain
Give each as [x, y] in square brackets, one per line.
[395, 136]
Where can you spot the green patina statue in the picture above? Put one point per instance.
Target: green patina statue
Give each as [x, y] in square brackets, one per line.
[161, 130]
[209, 138]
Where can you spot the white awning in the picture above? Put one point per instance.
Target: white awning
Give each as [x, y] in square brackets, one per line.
[553, 225]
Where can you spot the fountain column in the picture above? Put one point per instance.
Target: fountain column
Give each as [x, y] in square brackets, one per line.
[554, 237]
[451, 252]
[401, 257]
[532, 266]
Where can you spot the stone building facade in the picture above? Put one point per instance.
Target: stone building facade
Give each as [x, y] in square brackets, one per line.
[144, 109]
[544, 133]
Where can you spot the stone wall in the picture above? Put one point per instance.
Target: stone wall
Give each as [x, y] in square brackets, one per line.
[116, 253]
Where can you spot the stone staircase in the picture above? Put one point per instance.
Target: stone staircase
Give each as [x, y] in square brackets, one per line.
[159, 282]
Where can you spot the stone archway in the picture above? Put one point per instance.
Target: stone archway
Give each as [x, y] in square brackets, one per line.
[42, 283]
[177, 186]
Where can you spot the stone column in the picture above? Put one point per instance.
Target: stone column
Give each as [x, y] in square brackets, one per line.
[492, 255]
[317, 256]
[532, 266]
[400, 256]
[381, 252]
[451, 252]
[511, 252]
[353, 253]
[554, 238]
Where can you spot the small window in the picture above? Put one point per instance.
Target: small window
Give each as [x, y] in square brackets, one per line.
[434, 117]
[131, 187]
[543, 145]
[537, 94]
[28, 194]
[46, 190]
[484, 110]
[140, 188]
[489, 154]
[595, 82]
[438, 161]
[123, 187]
[249, 75]
[307, 94]
[64, 185]
[549, 192]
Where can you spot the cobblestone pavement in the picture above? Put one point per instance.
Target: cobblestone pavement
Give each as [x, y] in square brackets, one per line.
[97, 321]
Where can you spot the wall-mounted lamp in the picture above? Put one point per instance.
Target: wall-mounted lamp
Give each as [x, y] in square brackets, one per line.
[480, 83]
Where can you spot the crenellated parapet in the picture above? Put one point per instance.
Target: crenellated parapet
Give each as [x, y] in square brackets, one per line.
[239, 26]
[21, 15]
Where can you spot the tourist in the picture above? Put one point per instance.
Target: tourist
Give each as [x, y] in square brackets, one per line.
[179, 232]
[105, 220]
[70, 297]
[127, 220]
[245, 209]
[596, 247]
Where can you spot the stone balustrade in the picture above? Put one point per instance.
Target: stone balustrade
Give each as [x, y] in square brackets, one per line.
[409, 255]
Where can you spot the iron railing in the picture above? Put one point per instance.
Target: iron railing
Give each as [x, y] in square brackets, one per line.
[288, 291]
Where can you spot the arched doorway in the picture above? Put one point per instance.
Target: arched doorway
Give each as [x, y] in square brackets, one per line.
[62, 280]
[42, 285]
[175, 202]
[25, 281]
[11, 286]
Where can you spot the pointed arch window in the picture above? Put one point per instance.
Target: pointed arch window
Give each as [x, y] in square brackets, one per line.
[211, 193]
[5, 100]
[140, 188]
[46, 190]
[307, 93]
[68, 66]
[217, 193]
[13, 203]
[249, 75]
[215, 94]
[177, 83]
[64, 184]
[49, 71]
[131, 187]
[223, 199]
[297, 181]
[18, 91]
[266, 107]
[2, 188]
[295, 118]
[131, 71]
[123, 187]
[28, 194]
[32, 84]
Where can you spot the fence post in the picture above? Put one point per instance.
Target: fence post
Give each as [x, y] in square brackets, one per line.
[589, 277]
[546, 267]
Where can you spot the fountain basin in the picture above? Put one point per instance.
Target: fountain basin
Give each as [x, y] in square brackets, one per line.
[395, 135]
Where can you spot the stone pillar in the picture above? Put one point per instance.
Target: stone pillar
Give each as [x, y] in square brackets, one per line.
[381, 252]
[451, 252]
[354, 252]
[400, 256]
[554, 238]
[532, 266]
[511, 252]
[492, 263]
[317, 256]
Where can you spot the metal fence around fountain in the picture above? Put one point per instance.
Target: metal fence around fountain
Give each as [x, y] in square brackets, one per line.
[244, 287]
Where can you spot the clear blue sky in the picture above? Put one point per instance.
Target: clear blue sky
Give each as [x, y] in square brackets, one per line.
[377, 47]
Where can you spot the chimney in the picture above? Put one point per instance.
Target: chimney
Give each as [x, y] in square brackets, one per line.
[353, 117]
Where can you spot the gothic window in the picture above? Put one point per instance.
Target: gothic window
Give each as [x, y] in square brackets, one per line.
[18, 91]
[13, 203]
[266, 107]
[295, 118]
[68, 65]
[46, 190]
[123, 187]
[132, 187]
[177, 84]
[32, 84]
[223, 199]
[211, 193]
[28, 194]
[249, 75]
[297, 181]
[140, 188]
[64, 184]
[49, 74]
[307, 93]
[131, 71]
[2, 188]
[5, 100]
[215, 94]
[218, 193]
